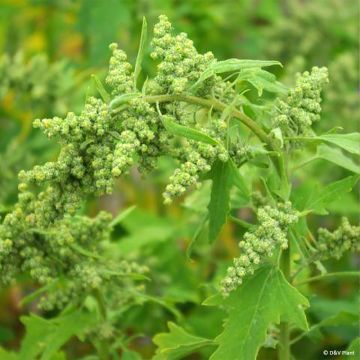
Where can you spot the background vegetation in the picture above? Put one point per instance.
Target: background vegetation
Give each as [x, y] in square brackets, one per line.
[49, 50]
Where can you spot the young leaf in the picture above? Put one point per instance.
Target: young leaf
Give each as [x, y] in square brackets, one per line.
[122, 99]
[263, 299]
[233, 65]
[219, 205]
[186, 132]
[122, 215]
[45, 337]
[177, 343]
[319, 199]
[262, 80]
[100, 88]
[140, 54]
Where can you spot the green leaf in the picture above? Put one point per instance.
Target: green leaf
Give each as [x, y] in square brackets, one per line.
[354, 347]
[342, 318]
[130, 355]
[122, 99]
[262, 80]
[320, 198]
[219, 205]
[337, 157]
[122, 215]
[8, 355]
[233, 65]
[177, 343]
[348, 142]
[186, 132]
[140, 54]
[45, 337]
[239, 181]
[100, 88]
[263, 299]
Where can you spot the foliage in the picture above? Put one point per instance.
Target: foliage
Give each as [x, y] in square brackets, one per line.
[225, 140]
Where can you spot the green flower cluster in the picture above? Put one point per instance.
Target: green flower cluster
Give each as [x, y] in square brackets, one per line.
[295, 114]
[99, 145]
[180, 63]
[260, 243]
[46, 254]
[334, 244]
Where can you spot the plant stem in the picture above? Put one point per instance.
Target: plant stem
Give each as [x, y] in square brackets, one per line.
[103, 348]
[329, 275]
[284, 338]
[276, 158]
[216, 104]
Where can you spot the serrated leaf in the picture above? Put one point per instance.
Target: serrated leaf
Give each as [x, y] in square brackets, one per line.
[177, 343]
[219, 205]
[140, 54]
[45, 337]
[233, 65]
[320, 198]
[263, 299]
[186, 132]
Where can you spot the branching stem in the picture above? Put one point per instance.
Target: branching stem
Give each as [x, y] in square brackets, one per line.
[277, 158]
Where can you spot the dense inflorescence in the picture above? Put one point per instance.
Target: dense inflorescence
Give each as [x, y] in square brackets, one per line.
[271, 232]
[296, 114]
[109, 136]
[180, 63]
[101, 144]
[335, 244]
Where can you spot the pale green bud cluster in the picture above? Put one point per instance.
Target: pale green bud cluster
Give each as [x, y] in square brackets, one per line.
[47, 253]
[334, 244]
[180, 62]
[120, 77]
[295, 114]
[271, 232]
[198, 159]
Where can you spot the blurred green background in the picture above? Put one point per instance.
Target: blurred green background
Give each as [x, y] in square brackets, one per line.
[49, 48]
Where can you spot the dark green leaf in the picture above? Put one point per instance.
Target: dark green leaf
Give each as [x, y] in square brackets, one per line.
[219, 205]
[45, 337]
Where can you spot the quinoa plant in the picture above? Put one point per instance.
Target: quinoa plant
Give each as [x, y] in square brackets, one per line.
[227, 122]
